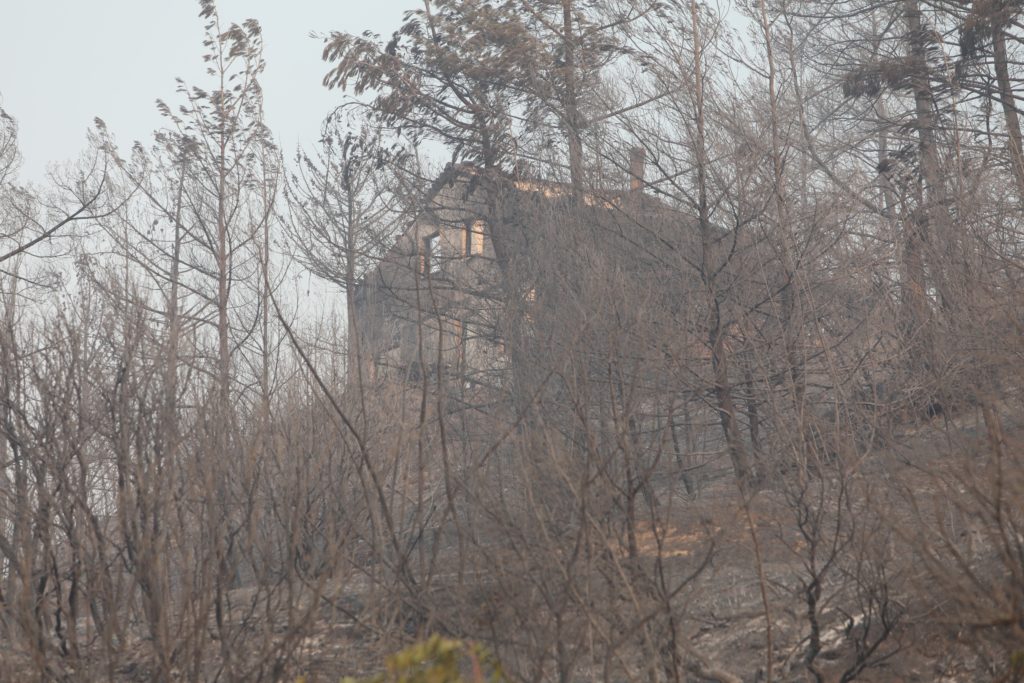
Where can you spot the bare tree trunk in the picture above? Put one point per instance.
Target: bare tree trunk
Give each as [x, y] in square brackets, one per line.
[789, 303]
[924, 227]
[573, 124]
[717, 333]
[1009, 102]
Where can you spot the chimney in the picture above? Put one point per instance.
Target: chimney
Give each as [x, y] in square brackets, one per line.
[637, 159]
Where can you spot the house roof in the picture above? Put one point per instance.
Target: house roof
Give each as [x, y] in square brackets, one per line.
[620, 210]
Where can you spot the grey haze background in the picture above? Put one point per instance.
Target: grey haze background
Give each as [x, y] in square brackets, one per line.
[64, 62]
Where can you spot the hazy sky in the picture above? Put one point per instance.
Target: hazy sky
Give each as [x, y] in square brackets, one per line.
[64, 62]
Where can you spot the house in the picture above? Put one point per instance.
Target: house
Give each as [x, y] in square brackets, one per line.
[495, 267]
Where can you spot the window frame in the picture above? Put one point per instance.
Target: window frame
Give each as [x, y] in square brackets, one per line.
[430, 263]
[473, 237]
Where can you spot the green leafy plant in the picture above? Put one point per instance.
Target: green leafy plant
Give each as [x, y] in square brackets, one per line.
[437, 660]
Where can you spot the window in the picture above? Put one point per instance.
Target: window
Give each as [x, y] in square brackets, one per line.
[529, 299]
[473, 238]
[430, 261]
